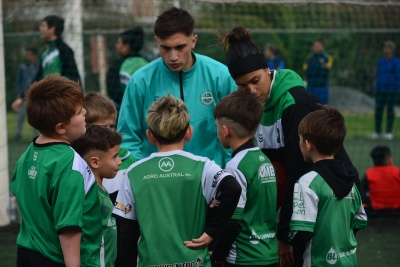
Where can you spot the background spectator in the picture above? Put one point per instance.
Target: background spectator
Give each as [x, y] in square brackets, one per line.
[317, 68]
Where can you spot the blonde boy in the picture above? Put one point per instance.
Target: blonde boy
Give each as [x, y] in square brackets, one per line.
[55, 189]
[101, 111]
[168, 193]
[99, 147]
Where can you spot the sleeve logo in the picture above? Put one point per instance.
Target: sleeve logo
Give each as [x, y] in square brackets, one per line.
[216, 177]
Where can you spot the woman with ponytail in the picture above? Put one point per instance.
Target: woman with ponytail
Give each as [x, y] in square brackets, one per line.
[286, 102]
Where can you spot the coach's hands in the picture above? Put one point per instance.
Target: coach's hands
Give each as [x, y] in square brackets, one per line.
[285, 254]
[203, 241]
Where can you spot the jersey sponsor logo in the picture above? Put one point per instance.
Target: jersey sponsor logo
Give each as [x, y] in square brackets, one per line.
[89, 171]
[206, 98]
[266, 173]
[216, 177]
[298, 203]
[198, 263]
[35, 154]
[166, 164]
[255, 238]
[111, 223]
[32, 172]
[332, 257]
[125, 208]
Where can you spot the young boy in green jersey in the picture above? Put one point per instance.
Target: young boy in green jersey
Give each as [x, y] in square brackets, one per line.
[327, 206]
[168, 194]
[55, 188]
[237, 117]
[101, 111]
[99, 147]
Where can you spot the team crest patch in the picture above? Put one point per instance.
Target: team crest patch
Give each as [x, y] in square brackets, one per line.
[207, 98]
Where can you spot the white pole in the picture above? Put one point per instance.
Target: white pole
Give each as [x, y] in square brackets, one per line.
[101, 54]
[73, 33]
[4, 179]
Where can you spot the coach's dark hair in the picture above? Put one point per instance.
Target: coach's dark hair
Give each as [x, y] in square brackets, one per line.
[134, 38]
[380, 155]
[241, 111]
[56, 22]
[97, 138]
[325, 129]
[173, 20]
[238, 45]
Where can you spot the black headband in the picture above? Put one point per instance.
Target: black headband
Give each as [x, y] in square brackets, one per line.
[246, 65]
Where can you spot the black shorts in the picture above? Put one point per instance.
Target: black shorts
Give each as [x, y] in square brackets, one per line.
[30, 258]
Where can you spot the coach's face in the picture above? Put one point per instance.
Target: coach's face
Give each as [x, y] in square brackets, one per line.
[176, 51]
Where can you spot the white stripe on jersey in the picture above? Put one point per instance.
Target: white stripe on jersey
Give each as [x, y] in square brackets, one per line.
[80, 165]
[49, 57]
[270, 136]
[232, 254]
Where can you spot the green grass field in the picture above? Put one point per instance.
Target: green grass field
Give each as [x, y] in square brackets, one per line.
[378, 243]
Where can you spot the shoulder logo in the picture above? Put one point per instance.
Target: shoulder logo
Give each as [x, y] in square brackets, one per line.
[166, 164]
[32, 172]
[266, 173]
[260, 138]
[206, 98]
[332, 256]
[35, 154]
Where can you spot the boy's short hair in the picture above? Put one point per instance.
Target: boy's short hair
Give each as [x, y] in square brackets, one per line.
[96, 138]
[134, 38]
[325, 129]
[173, 20]
[168, 120]
[98, 108]
[56, 22]
[52, 100]
[241, 111]
[380, 155]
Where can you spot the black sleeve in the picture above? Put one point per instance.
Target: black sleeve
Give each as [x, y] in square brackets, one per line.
[294, 163]
[128, 233]
[223, 243]
[228, 194]
[69, 68]
[299, 238]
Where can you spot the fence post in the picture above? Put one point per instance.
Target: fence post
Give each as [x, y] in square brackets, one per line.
[4, 178]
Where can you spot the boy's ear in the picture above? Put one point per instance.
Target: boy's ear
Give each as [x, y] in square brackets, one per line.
[60, 129]
[151, 138]
[93, 162]
[309, 145]
[189, 134]
[226, 131]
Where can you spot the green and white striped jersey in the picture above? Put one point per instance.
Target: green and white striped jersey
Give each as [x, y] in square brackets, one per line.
[256, 244]
[316, 209]
[168, 194]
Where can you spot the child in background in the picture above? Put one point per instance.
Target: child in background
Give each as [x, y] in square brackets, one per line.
[55, 189]
[255, 243]
[327, 206]
[101, 111]
[382, 184]
[99, 147]
[168, 193]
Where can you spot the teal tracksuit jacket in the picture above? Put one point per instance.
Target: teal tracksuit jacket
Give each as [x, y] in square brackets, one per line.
[200, 87]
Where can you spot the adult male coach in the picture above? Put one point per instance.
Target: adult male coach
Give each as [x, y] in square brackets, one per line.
[196, 79]
[57, 57]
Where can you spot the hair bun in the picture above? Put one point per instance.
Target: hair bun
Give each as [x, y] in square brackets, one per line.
[238, 34]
